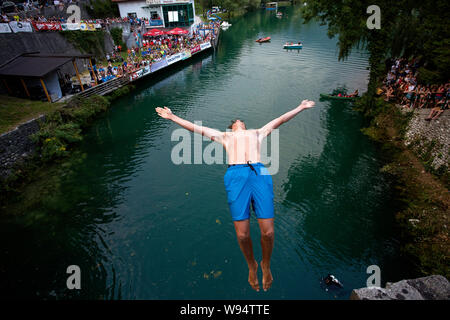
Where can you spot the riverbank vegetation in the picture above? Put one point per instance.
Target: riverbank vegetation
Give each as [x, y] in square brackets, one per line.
[92, 42]
[423, 198]
[102, 9]
[233, 8]
[409, 29]
[59, 132]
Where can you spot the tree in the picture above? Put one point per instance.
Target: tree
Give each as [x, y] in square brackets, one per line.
[408, 28]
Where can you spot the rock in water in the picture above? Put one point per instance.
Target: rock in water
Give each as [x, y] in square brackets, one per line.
[433, 287]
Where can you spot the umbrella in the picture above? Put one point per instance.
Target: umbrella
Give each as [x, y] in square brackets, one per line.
[178, 31]
[154, 33]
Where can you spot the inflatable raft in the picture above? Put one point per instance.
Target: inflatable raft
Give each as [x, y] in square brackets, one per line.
[263, 39]
[329, 96]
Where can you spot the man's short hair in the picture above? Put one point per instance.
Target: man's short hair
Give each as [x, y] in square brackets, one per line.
[233, 121]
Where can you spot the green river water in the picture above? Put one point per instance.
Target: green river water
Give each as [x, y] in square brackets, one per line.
[141, 227]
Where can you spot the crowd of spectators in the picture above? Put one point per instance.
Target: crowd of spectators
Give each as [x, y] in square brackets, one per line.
[401, 86]
[17, 13]
[103, 22]
[146, 52]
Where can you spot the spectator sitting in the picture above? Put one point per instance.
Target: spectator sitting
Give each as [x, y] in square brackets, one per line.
[441, 106]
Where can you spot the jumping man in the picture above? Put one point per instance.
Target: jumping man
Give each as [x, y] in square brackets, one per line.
[247, 182]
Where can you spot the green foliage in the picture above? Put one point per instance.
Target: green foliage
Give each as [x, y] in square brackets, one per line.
[120, 92]
[64, 126]
[103, 9]
[116, 34]
[232, 6]
[87, 41]
[428, 76]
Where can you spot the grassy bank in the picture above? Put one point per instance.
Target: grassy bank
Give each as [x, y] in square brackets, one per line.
[57, 138]
[14, 111]
[423, 197]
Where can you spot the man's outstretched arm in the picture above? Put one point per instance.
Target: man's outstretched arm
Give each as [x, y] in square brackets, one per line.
[213, 134]
[275, 123]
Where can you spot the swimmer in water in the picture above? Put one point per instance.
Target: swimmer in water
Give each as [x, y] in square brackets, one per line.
[247, 181]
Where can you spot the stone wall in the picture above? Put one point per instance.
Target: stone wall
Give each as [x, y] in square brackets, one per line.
[432, 135]
[13, 44]
[16, 145]
[434, 287]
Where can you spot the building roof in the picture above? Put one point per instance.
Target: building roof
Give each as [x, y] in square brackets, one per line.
[35, 65]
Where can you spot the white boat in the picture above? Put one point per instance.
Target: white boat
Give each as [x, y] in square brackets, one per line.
[293, 46]
[225, 24]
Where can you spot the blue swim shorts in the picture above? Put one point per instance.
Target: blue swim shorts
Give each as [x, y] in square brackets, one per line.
[247, 184]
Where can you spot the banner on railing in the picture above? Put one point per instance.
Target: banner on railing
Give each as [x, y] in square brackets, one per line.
[44, 26]
[152, 23]
[146, 70]
[136, 75]
[17, 26]
[195, 49]
[140, 73]
[4, 28]
[158, 65]
[186, 54]
[70, 26]
[80, 26]
[174, 58]
[205, 45]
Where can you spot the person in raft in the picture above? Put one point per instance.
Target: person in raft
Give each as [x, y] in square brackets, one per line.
[247, 182]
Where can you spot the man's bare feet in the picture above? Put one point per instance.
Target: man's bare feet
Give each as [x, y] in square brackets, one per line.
[267, 276]
[253, 276]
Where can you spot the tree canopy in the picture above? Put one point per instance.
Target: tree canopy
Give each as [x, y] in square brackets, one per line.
[408, 28]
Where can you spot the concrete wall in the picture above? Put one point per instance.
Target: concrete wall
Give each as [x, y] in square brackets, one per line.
[13, 44]
[133, 6]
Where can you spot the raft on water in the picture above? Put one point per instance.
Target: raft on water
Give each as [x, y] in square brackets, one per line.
[263, 39]
[329, 96]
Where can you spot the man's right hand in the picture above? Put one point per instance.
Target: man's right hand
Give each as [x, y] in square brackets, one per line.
[165, 112]
[306, 104]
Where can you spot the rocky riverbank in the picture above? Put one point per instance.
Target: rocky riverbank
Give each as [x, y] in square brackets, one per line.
[433, 287]
[430, 139]
[415, 152]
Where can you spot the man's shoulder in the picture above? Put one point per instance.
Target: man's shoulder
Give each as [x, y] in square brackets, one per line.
[241, 133]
